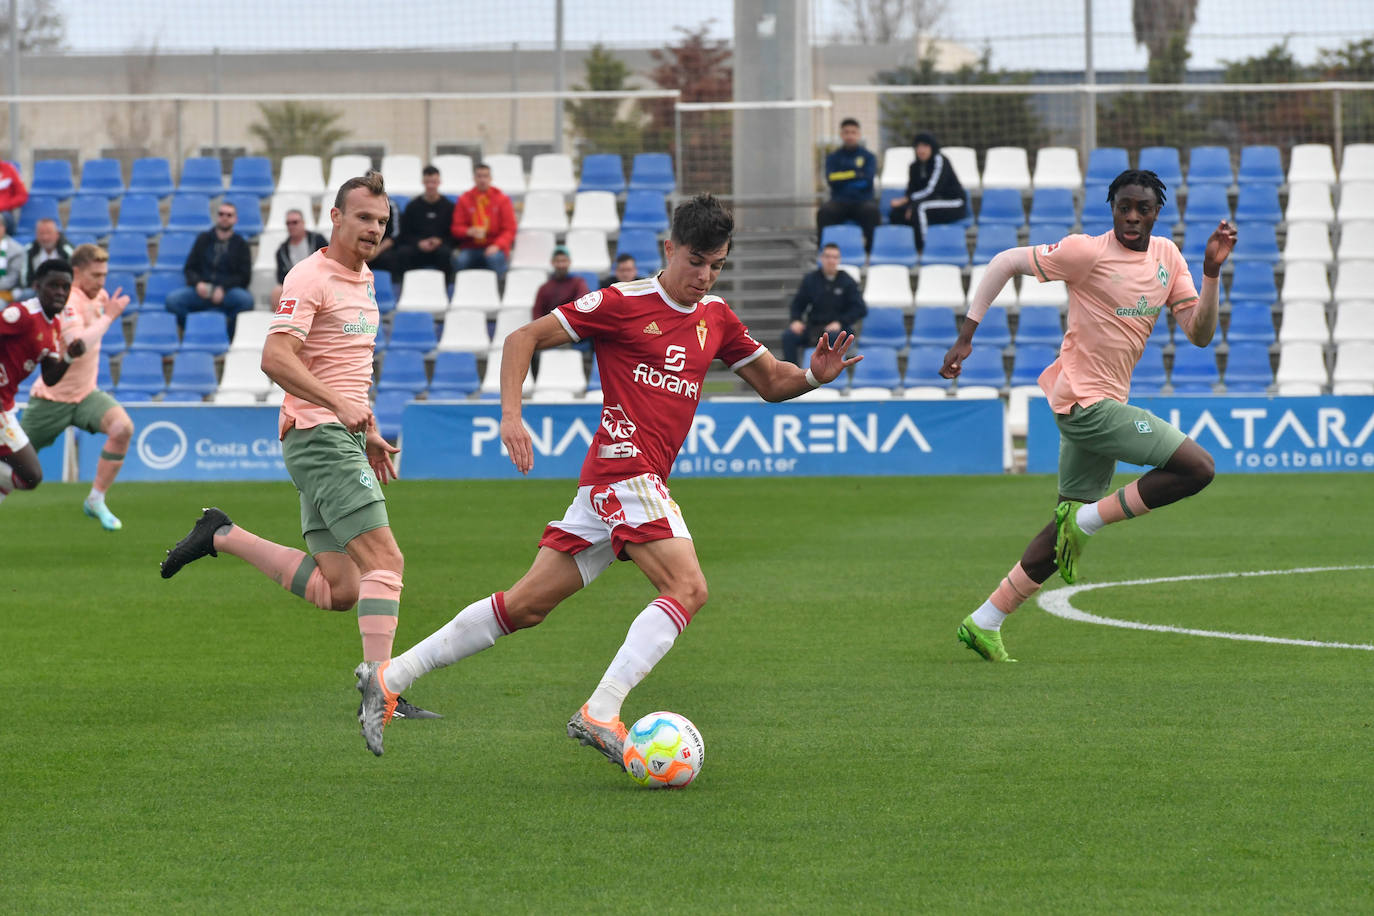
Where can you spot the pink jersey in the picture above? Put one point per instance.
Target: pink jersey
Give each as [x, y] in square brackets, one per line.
[27, 337]
[334, 310]
[1115, 297]
[652, 354]
[81, 312]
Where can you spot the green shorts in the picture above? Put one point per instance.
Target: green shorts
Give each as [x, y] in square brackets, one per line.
[1092, 440]
[340, 497]
[45, 420]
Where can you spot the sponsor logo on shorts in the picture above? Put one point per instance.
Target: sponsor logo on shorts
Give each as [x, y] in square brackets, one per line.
[361, 326]
[365, 478]
[607, 505]
[616, 422]
[286, 307]
[1141, 309]
[1143, 427]
[588, 302]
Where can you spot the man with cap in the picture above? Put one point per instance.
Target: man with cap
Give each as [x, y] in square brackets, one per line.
[561, 287]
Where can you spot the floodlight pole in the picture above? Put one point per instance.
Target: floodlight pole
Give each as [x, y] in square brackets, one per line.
[14, 79]
[1089, 77]
[558, 75]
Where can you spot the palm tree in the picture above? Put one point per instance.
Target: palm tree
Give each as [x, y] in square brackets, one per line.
[1162, 26]
[296, 128]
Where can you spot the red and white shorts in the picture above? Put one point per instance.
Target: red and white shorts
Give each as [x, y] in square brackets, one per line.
[605, 517]
[12, 435]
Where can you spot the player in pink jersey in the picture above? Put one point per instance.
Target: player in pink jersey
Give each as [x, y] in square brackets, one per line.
[320, 348]
[75, 401]
[654, 341]
[31, 337]
[1119, 284]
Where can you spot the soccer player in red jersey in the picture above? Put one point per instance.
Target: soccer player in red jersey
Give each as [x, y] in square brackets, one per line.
[654, 341]
[31, 336]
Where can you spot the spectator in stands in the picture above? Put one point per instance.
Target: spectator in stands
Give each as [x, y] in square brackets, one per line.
[625, 270]
[13, 266]
[48, 243]
[218, 271]
[300, 244]
[933, 191]
[561, 287]
[483, 225]
[13, 194]
[385, 257]
[426, 224]
[850, 171]
[828, 301]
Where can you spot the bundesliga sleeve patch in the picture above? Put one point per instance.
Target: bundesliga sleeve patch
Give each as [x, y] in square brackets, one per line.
[588, 302]
[1046, 249]
[286, 307]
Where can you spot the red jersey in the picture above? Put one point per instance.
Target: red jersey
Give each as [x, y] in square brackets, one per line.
[27, 335]
[652, 354]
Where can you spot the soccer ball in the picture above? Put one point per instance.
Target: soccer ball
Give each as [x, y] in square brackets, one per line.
[664, 751]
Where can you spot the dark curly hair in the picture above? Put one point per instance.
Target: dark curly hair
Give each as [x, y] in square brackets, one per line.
[1143, 177]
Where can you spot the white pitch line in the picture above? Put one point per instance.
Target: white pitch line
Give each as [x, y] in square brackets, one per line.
[1059, 603]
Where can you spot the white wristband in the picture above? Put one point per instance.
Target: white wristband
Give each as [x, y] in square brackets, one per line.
[812, 380]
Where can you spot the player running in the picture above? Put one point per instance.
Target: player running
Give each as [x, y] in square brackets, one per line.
[319, 348]
[75, 400]
[1119, 283]
[654, 341]
[31, 336]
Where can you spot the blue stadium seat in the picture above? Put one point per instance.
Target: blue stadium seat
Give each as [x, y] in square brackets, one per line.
[104, 378]
[1260, 165]
[885, 198]
[1053, 205]
[90, 213]
[400, 201]
[1195, 369]
[1251, 322]
[923, 367]
[1002, 206]
[160, 283]
[103, 177]
[249, 224]
[645, 209]
[849, 237]
[140, 213]
[1168, 215]
[34, 209]
[1209, 165]
[883, 327]
[129, 252]
[52, 178]
[403, 370]
[172, 250]
[112, 343]
[993, 330]
[252, 175]
[1160, 335]
[1029, 361]
[81, 238]
[388, 409]
[1164, 162]
[946, 244]
[891, 245]
[151, 175]
[1258, 203]
[643, 246]
[206, 331]
[193, 373]
[1255, 242]
[1195, 237]
[1248, 369]
[455, 376]
[190, 213]
[202, 175]
[1104, 164]
[1253, 281]
[1047, 233]
[1149, 376]
[1207, 203]
[156, 332]
[983, 367]
[1096, 225]
[992, 241]
[126, 284]
[1038, 324]
[933, 326]
[602, 172]
[653, 172]
[878, 369]
[140, 372]
[385, 293]
[412, 331]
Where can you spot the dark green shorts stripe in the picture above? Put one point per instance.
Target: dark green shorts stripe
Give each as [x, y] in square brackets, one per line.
[111, 456]
[383, 606]
[1121, 498]
[302, 576]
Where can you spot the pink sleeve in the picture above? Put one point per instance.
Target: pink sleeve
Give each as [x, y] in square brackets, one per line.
[300, 300]
[1183, 294]
[1003, 266]
[1070, 259]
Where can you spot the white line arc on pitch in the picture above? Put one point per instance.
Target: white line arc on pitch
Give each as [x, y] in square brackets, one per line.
[1059, 603]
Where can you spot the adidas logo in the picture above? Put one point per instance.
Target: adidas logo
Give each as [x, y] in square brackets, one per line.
[652, 328]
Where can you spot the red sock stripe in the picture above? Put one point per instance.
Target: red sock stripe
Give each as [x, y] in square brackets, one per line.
[676, 613]
[498, 607]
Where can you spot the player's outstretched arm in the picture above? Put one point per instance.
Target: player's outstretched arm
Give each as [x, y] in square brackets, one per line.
[516, 354]
[281, 362]
[1004, 266]
[777, 380]
[1204, 319]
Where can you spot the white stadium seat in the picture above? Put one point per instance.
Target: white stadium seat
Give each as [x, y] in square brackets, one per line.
[964, 160]
[595, 210]
[521, 288]
[896, 167]
[1057, 167]
[401, 173]
[1305, 281]
[1300, 363]
[1304, 322]
[508, 320]
[870, 393]
[1354, 280]
[465, 331]
[475, 289]
[1354, 321]
[544, 210]
[243, 372]
[423, 291]
[888, 285]
[532, 249]
[1035, 292]
[560, 369]
[342, 168]
[1006, 298]
[491, 376]
[301, 175]
[1354, 369]
[1357, 162]
[1309, 200]
[507, 173]
[283, 201]
[1312, 162]
[552, 172]
[587, 248]
[1357, 202]
[250, 331]
[1006, 167]
[940, 284]
[1357, 241]
[1307, 242]
[455, 172]
[265, 265]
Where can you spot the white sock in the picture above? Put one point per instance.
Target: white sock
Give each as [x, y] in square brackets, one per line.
[988, 617]
[95, 496]
[474, 629]
[649, 639]
[1089, 519]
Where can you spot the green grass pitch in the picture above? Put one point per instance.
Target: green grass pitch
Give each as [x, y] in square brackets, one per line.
[190, 746]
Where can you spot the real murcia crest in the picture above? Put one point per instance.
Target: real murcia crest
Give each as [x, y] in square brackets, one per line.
[701, 333]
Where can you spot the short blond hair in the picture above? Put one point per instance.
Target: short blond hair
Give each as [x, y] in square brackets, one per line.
[88, 254]
[371, 181]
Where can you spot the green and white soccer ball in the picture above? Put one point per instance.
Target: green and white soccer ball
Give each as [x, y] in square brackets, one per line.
[664, 750]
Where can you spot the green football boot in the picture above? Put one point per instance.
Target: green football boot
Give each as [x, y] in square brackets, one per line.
[987, 643]
[1069, 540]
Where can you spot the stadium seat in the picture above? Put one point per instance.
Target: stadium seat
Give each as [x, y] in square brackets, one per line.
[544, 210]
[140, 213]
[983, 366]
[1057, 167]
[1195, 369]
[52, 178]
[193, 374]
[1006, 167]
[994, 330]
[423, 290]
[1001, 206]
[249, 223]
[1260, 165]
[1311, 201]
[891, 245]
[128, 252]
[1251, 322]
[1047, 233]
[507, 173]
[202, 175]
[939, 284]
[1256, 242]
[103, 177]
[602, 172]
[596, 210]
[645, 209]
[587, 248]
[644, 246]
[1357, 203]
[883, 327]
[301, 175]
[140, 372]
[252, 175]
[1039, 324]
[250, 331]
[243, 372]
[1302, 282]
[403, 370]
[455, 173]
[507, 320]
[1037, 292]
[1209, 166]
[964, 161]
[1148, 377]
[878, 368]
[90, 214]
[1354, 321]
[156, 332]
[896, 168]
[1258, 203]
[532, 250]
[945, 244]
[403, 174]
[1311, 162]
[455, 375]
[1053, 205]
[1096, 223]
[1164, 162]
[172, 250]
[560, 370]
[206, 331]
[491, 377]
[1307, 242]
[342, 168]
[1160, 334]
[552, 172]
[125, 284]
[382, 289]
[1030, 360]
[888, 286]
[112, 342]
[281, 203]
[521, 288]
[1208, 204]
[923, 367]
[933, 326]
[389, 408]
[1354, 369]
[1354, 281]
[1104, 164]
[851, 241]
[465, 331]
[189, 213]
[473, 289]
[1195, 236]
[1301, 363]
[151, 175]
[993, 240]
[1006, 296]
[1357, 162]
[653, 172]
[412, 331]
[1252, 281]
[162, 283]
[1304, 322]
[33, 210]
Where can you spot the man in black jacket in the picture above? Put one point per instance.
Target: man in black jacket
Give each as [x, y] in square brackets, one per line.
[828, 301]
[426, 238]
[850, 171]
[218, 271]
[933, 191]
